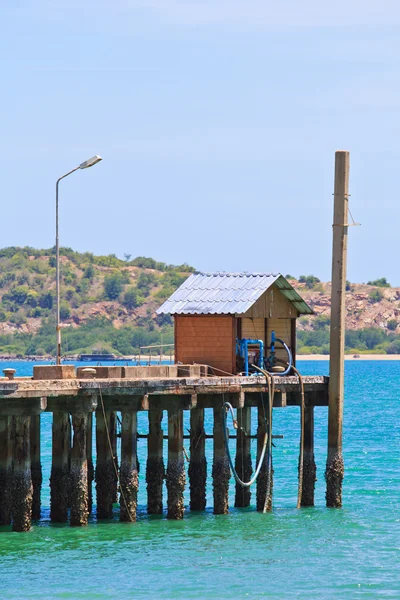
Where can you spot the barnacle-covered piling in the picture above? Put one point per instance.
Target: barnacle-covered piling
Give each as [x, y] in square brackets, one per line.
[198, 463]
[59, 478]
[129, 467]
[79, 471]
[175, 476]
[155, 470]
[243, 463]
[5, 469]
[220, 471]
[105, 464]
[22, 489]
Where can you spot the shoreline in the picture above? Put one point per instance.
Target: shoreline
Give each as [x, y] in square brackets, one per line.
[164, 358]
[360, 357]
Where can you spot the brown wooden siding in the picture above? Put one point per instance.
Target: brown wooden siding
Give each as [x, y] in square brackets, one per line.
[283, 330]
[272, 304]
[253, 329]
[206, 339]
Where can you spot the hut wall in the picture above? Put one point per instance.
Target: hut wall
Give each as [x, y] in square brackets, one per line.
[284, 330]
[260, 329]
[253, 329]
[206, 339]
[272, 305]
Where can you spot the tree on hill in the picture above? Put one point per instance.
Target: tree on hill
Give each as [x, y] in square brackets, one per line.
[375, 296]
[113, 286]
[309, 280]
[382, 282]
[132, 298]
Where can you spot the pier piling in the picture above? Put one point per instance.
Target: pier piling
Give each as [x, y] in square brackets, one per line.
[22, 490]
[155, 470]
[334, 465]
[36, 467]
[175, 476]
[243, 463]
[72, 402]
[5, 469]
[89, 455]
[79, 471]
[266, 473]
[105, 469]
[309, 466]
[59, 478]
[113, 438]
[198, 463]
[129, 468]
[220, 471]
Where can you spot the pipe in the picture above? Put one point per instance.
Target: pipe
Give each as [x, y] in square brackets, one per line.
[227, 407]
[244, 352]
[290, 357]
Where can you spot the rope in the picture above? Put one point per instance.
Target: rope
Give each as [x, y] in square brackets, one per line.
[242, 434]
[301, 452]
[301, 457]
[113, 457]
[219, 370]
[271, 394]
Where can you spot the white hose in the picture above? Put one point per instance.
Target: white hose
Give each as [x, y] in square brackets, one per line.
[228, 407]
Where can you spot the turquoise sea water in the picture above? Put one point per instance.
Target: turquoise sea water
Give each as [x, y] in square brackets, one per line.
[310, 553]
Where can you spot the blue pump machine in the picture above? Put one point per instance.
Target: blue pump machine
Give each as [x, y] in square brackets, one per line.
[263, 362]
[242, 349]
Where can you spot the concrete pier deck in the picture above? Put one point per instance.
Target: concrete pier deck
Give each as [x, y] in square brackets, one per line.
[74, 396]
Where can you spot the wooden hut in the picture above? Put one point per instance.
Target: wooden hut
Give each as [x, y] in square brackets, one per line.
[213, 310]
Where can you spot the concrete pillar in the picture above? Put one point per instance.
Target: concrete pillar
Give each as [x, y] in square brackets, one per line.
[265, 476]
[334, 465]
[89, 456]
[59, 478]
[175, 477]
[198, 463]
[243, 463]
[79, 471]
[22, 490]
[105, 466]
[155, 470]
[113, 437]
[129, 468]
[220, 471]
[6, 451]
[309, 466]
[69, 434]
[36, 467]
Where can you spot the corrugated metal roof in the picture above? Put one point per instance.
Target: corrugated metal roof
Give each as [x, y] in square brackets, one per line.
[227, 294]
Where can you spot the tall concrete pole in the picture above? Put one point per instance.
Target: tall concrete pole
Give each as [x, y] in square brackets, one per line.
[334, 465]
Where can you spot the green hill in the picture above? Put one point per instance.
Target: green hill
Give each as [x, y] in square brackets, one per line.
[109, 304]
[106, 303]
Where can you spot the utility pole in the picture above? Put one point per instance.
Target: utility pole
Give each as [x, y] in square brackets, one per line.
[334, 465]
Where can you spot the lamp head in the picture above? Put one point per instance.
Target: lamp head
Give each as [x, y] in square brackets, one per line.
[90, 162]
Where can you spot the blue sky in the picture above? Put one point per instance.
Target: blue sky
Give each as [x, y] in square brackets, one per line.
[217, 122]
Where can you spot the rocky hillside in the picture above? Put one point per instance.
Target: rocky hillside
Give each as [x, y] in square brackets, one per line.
[367, 306]
[108, 303]
[372, 317]
[101, 294]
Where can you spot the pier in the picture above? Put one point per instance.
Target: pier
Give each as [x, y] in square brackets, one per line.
[75, 397]
[235, 350]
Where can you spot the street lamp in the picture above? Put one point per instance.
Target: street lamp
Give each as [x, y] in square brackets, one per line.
[84, 165]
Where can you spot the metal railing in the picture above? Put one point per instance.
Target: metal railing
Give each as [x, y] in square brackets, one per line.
[161, 354]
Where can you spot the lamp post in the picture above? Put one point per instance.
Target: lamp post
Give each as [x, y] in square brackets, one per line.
[85, 165]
